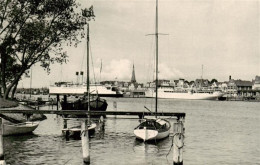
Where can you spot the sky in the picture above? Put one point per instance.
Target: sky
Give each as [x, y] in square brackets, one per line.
[223, 36]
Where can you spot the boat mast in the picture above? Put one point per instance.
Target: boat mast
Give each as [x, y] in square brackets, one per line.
[156, 79]
[31, 84]
[88, 107]
[201, 83]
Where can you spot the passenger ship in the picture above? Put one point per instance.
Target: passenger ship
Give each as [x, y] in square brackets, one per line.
[192, 94]
[74, 89]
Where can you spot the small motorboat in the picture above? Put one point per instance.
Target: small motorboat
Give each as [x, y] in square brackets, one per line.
[152, 129]
[75, 132]
[19, 128]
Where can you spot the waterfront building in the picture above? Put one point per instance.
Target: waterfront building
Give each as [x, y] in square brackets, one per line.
[163, 82]
[202, 83]
[256, 83]
[239, 88]
[191, 84]
[179, 83]
[223, 86]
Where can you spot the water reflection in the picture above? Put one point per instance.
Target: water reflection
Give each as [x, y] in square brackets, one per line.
[19, 138]
[153, 146]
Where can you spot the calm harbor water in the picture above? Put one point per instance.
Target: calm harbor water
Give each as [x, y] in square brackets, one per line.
[216, 132]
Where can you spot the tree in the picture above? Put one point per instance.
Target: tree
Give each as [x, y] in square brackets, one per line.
[213, 81]
[11, 69]
[35, 31]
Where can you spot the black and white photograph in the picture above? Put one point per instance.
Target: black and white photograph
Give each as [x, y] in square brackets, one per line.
[129, 82]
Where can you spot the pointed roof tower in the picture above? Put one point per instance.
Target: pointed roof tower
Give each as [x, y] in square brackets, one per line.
[133, 80]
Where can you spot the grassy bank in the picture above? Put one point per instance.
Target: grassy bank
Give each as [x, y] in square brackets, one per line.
[7, 103]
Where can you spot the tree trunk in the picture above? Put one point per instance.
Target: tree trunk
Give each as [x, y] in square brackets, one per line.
[14, 82]
[14, 90]
[3, 66]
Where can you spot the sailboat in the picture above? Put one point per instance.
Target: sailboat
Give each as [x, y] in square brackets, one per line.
[76, 131]
[93, 101]
[154, 129]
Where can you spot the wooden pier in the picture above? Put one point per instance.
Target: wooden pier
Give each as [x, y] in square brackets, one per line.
[98, 113]
[178, 128]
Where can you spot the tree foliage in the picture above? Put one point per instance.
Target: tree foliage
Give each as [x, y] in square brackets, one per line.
[35, 31]
[213, 81]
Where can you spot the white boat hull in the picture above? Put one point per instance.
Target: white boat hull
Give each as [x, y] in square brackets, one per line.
[16, 129]
[147, 135]
[76, 131]
[185, 95]
[153, 129]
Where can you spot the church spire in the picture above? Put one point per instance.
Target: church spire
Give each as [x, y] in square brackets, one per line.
[133, 80]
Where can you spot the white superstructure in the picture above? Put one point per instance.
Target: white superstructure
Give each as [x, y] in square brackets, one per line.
[170, 93]
[81, 89]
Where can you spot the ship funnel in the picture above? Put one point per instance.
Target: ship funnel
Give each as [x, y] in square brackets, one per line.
[81, 73]
[77, 76]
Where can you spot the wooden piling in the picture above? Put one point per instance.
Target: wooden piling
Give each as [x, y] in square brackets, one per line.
[178, 143]
[65, 126]
[115, 106]
[2, 158]
[58, 101]
[85, 142]
[101, 123]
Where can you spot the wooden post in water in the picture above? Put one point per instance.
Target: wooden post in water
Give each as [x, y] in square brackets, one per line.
[85, 142]
[115, 106]
[2, 157]
[64, 123]
[58, 101]
[101, 123]
[65, 126]
[178, 143]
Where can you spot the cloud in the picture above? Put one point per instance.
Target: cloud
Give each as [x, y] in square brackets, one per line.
[119, 69]
[166, 72]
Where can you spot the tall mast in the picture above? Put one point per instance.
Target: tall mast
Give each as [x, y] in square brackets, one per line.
[201, 76]
[156, 40]
[31, 84]
[88, 107]
[202, 72]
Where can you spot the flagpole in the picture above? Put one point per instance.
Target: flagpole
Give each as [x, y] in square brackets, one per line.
[100, 72]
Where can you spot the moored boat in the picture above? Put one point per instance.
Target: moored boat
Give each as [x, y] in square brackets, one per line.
[75, 132]
[170, 93]
[96, 103]
[80, 89]
[152, 129]
[19, 128]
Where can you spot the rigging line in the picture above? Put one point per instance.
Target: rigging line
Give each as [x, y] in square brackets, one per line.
[149, 66]
[90, 50]
[84, 54]
[168, 50]
[154, 71]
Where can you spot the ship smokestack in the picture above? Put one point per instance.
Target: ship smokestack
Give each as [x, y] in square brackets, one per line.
[77, 75]
[81, 73]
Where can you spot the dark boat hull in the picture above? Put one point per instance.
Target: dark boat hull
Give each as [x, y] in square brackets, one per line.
[96, 104]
